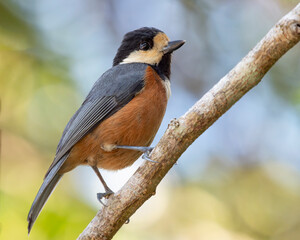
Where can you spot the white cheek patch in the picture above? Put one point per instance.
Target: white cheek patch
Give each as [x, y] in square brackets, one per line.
[151, 57]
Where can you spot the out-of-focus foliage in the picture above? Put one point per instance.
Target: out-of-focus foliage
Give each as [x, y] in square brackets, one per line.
[24, 169]
[34, 81]
[229, 187]
[35, 92]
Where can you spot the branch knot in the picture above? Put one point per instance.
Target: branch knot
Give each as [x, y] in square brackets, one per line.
[174, 124]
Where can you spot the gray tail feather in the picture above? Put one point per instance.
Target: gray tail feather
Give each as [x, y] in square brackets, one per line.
[44, 192]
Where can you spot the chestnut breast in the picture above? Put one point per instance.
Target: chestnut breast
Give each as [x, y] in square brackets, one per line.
[135, 125]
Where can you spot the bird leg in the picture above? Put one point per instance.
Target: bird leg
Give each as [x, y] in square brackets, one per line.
[108, 191]
[145, 150]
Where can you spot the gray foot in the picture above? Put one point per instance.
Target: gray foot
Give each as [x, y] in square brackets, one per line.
[104, 195]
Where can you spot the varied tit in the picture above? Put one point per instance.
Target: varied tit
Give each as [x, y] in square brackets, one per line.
[120, 116]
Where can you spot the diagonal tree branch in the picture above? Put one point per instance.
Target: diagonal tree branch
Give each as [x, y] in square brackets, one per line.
[182, 132]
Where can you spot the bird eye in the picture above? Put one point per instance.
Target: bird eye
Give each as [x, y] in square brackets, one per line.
[144, 46]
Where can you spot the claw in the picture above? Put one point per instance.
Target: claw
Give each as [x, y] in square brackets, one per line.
[104, 195]
[146, 156]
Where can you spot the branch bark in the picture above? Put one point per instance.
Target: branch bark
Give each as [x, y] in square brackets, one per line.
[183, 131]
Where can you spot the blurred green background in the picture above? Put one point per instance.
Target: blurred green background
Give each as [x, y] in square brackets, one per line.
[239, 181]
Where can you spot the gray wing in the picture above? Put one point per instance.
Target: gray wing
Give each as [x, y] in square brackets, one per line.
[114, 89]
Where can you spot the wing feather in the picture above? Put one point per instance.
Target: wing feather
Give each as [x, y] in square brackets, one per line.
[111, 92]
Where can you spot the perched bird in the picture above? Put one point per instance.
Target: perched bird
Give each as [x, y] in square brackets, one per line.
[119, 118]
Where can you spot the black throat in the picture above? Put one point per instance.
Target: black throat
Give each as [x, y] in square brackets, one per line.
[164, 66]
